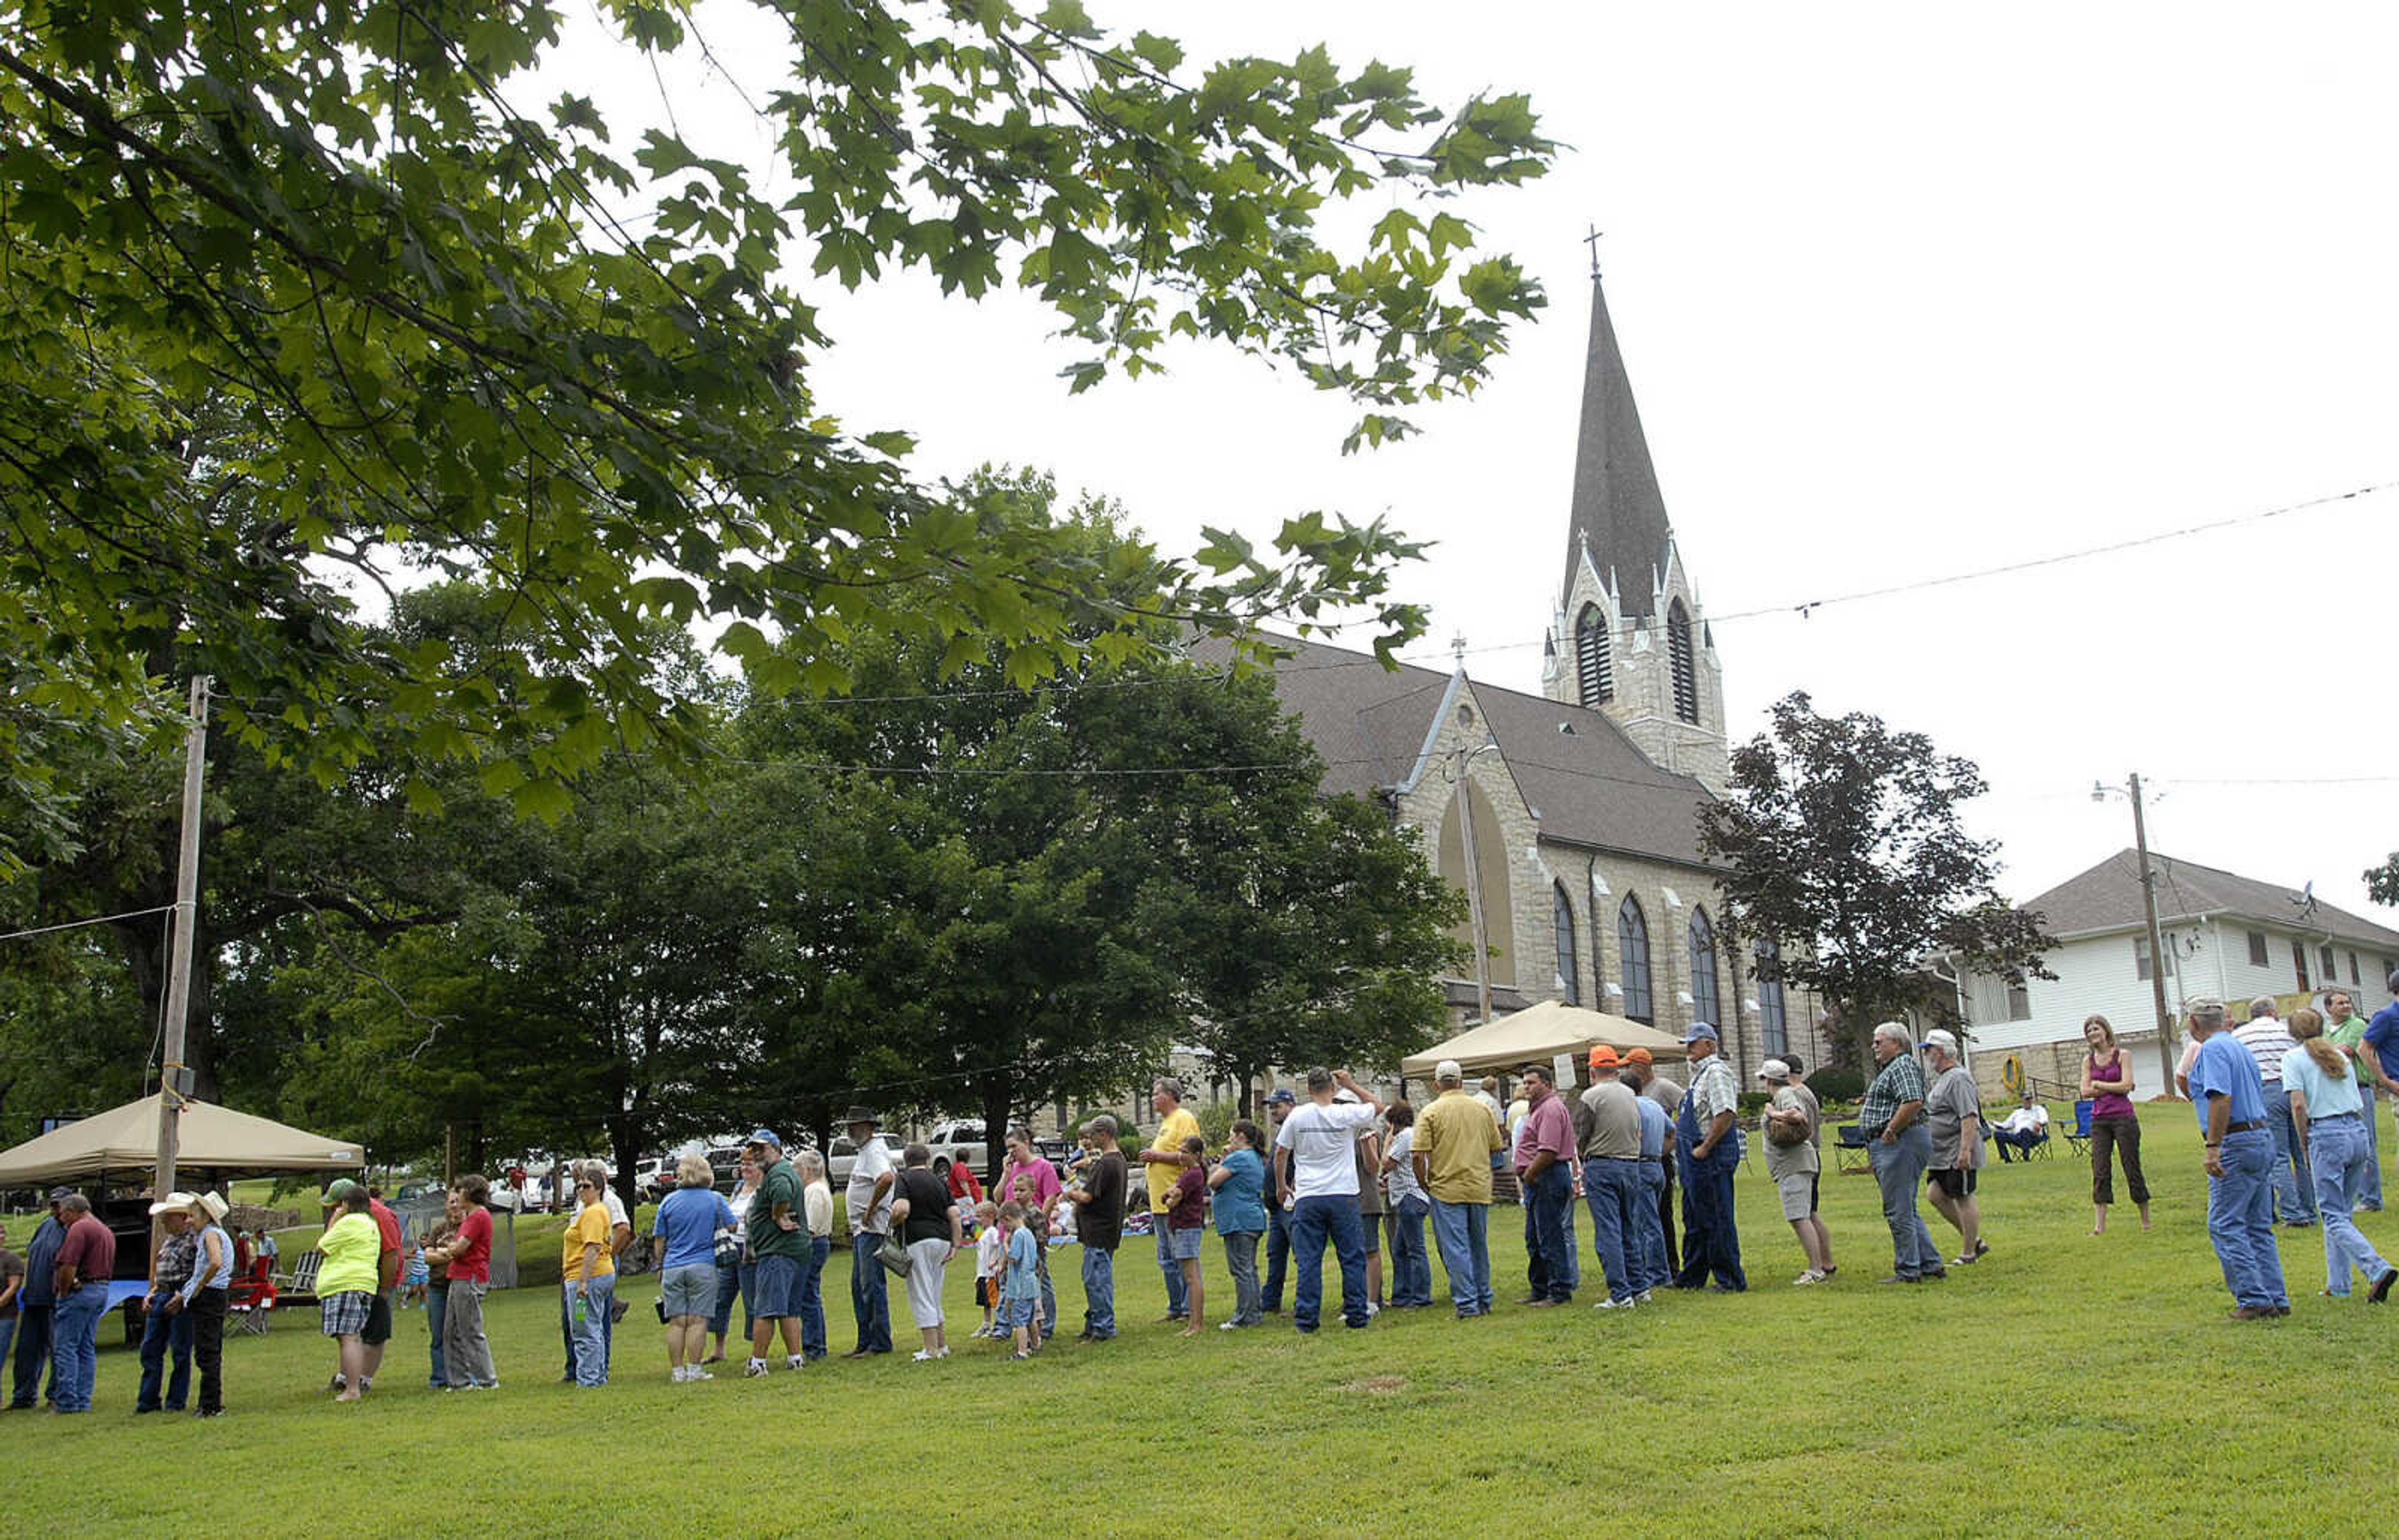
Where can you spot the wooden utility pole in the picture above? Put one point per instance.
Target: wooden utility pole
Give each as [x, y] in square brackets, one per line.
[2158, 955]
[173, 1082]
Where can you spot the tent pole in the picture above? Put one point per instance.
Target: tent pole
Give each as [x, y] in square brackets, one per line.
[172, 1082]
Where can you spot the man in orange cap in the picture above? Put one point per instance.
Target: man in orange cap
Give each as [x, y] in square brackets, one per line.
[1611, 1176]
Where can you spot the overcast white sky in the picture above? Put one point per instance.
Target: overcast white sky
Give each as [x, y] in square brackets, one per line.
[1904, 291]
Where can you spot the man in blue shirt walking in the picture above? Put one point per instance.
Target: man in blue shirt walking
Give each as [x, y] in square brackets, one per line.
[2230, 1101]
[2380, 1053]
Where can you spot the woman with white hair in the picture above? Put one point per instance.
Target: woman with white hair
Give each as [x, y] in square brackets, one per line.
[816, 1201]
[689, 1220]
[929, 1227]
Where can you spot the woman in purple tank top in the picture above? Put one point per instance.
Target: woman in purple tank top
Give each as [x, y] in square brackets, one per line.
[2108, 1086]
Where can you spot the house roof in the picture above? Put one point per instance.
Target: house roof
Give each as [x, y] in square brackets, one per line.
[1575, 765]
[2108, 896]
[1618, 512]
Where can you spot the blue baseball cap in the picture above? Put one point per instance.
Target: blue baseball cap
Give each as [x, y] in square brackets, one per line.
[1281, 1096]
[1701, 1031]
[764, 1135]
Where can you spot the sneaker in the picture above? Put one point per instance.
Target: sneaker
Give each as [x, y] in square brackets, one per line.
[920, 1355]
[1641, 1298]
[1373, 1310]
[1625, 1304]
[217, 1412]
[754, 1369]
[1811, 1276]
[2381, 1290]
[1966, 1260]
[696, 1372]
[336, 1382]
[1228, 1326]
[680, 1375]
[366, 1383]
[792, 1361]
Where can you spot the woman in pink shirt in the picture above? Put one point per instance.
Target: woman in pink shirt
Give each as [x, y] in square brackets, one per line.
[1029, 1179]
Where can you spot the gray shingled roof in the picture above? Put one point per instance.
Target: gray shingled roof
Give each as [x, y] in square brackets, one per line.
[1590, 785]
[1618, 509]
[2108, 896]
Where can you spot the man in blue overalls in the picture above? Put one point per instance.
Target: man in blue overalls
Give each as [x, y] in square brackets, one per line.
[1708, 1146]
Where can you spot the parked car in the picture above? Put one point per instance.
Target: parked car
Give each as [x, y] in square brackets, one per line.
[958, 1141]
[844, 1155]
[1057, 1152]
[655, 1177]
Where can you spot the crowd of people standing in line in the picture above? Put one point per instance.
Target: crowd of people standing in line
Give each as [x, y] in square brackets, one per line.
[1339, 1169]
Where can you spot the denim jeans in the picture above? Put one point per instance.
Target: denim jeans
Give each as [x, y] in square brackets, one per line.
[1612, 1190]
[1313, 1220]
[2370, 1196]
[591, 1331]
[1649, 1227]
[1711, 1238]
[7, 1335]
[2294, 1196]
[163, 1334]
[34, 1337]
[437, 1309]
[866, 1300]
[1049, 1292]
[1278, 1257]
[1548, 1257]
[1177, 1306]
[1410, 1266]
[1462, 1231]
[1241, 1261]
[2241, 1219]
[748, 1274]
[728, 1289]
[75, 1343]
[812, 1320]
[1100, 1291]
[1899, 1171]
[2339, 1156]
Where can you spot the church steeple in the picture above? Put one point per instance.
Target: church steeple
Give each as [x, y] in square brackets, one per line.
[1629, 637]
[1617, 513]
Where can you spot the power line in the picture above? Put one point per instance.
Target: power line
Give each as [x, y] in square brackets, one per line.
[78, 925]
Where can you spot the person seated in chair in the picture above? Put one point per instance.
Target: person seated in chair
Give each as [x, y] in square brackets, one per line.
[2022, 1129]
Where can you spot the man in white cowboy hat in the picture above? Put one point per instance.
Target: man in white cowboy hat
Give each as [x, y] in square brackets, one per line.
[868, 1199]
[165, 1327]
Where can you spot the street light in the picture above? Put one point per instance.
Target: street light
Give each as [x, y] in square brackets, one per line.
[2131, 790]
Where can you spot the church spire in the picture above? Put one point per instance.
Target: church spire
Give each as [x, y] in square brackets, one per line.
[1618, 512]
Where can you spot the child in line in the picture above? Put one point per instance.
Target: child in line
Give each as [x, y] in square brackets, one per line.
[991, 1258]
[1187, 1225]
[419, 1276]
[1020, 1292]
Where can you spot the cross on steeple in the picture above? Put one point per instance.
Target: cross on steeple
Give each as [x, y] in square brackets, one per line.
[1591, 240]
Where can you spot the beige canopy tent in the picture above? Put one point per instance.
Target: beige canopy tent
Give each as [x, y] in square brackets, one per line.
[1537, 1036]
[212, 1138]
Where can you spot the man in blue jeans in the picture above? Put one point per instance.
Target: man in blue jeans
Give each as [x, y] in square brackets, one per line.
[34, 1322]
[1099, 1224]
[87, 1261]
[1544, 1160]
[2267, 1040]
[1899, 1147]
[1456, 1141]
[869, 1199]
[2230, 1097]
[1279, 1105]
[1611, 1177]
[1315, 1149]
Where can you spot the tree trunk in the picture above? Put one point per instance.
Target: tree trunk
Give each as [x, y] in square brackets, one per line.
[995, 1093]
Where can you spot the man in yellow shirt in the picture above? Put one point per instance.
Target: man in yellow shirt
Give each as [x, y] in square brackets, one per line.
[1163, 1163]
[1455, 1141]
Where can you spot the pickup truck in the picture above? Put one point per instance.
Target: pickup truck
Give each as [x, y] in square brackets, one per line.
[844, 1155]
[958, 1141]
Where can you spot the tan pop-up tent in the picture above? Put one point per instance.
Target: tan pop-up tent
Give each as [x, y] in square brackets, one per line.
[211, 1139]
[1537, 1036]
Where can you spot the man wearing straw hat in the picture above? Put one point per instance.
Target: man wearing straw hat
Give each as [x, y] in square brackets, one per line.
[165, 1328]
[868, 1199]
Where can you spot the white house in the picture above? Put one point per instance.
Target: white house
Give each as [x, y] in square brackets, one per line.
[2226, 935]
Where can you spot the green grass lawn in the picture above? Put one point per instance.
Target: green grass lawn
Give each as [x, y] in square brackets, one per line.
[2066, 1386]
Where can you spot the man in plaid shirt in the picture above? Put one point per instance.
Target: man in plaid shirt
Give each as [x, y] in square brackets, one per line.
[1892, 1119]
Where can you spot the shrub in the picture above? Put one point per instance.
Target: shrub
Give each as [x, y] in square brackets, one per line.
[1831, 1085]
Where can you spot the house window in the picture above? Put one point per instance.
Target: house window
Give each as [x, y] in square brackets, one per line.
[2257, 949]
[2300, 962]
[1595, 670]
[1773, 1036]
[2352, 967]
[1704, 969]
[2324, 958]
[2141, 958]
[1686, 666]
[2019, 1001]
[1632, 943]
[1569, 977]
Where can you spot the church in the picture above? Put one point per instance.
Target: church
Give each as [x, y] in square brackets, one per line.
[1571, 817]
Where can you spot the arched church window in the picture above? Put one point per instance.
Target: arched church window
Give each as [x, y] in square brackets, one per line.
[1773, 1034]
[1595, 670]
[1569, 977]
[1703, 970]
[1686, 666]
[1633, 941]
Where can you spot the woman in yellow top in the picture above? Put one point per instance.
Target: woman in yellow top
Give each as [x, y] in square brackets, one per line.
[347, 1279]
[589, 1274]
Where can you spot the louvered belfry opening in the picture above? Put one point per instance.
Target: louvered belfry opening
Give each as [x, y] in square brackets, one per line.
[1678, 651]
[1595, 670]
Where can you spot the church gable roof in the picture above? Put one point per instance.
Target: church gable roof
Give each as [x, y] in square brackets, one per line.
[1618, 512]
[2108, 897]
[1591, 786]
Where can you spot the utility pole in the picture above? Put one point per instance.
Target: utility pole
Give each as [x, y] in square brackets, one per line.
[2158, 957]
[174, 1079]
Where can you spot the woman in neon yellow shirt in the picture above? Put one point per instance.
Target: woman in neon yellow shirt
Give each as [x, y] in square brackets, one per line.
[589, 1274]
[346, 1280]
